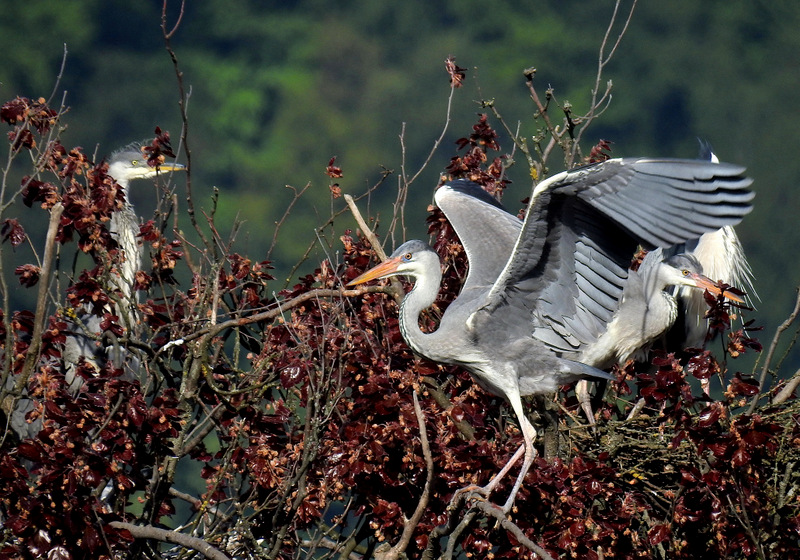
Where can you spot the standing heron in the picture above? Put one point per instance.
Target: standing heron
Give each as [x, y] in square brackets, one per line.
[523, 317]
[125, 165]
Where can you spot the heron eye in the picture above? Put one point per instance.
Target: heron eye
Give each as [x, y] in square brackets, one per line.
[135, 162]
[407, 257]
[685, 272]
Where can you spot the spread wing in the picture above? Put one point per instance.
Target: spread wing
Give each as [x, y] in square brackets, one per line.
[570, 261]
[486, 230]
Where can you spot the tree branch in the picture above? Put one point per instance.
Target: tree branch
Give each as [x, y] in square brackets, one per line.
[770, 353]
[490, 510]
[41, 300]
[411, 524]
[154, 533]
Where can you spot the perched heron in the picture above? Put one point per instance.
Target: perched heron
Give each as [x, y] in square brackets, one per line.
[526, 312]
[647, 309]
[125, 165]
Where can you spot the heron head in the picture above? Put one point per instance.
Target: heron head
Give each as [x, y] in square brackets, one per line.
[130, 163]
[685, 270]
[412, 258]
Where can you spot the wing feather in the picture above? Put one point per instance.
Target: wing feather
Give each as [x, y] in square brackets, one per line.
[486, 230]
[569, 262]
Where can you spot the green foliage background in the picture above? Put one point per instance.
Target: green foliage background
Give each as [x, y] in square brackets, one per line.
[278, 87]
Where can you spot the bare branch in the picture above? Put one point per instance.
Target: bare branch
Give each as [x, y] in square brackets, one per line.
[602, 60]
[787, 390]
[32, 357]
[411, 524]
[182, 104]
[492, 511]
[770, 353]
[373, 240]
[368, 233]
[149, 532]
[168, 35]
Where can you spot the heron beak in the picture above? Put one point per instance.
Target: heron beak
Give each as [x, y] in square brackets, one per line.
[706, 283]
[386, 268]
[166, 167]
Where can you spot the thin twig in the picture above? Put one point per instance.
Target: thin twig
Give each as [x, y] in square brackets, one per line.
[773, 345]
[437, 143]
[182, 104]
[59, 76]
[330, 222]
[403, 182]
[286, 213]
[602, 61]
[408, 527]
[177, 23]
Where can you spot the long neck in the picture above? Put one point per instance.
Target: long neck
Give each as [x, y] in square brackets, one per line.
[124, 226]
[422, 295]
[663, 307]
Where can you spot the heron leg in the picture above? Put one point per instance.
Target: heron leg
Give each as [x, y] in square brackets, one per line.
[527, 448]
[489, 488]
[529, 435]
[582, 392]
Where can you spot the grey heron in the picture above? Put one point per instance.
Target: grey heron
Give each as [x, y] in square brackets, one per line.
[718, 254]
[125, 165]
[538, 292]
[647, 309]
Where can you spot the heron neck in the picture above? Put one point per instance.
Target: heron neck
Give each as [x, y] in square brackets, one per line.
[124, 227]
[421, 296]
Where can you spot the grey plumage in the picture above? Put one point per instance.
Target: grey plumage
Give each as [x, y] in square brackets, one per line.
[647, 309]
[529, 308]
[722, 257]
[125, 165]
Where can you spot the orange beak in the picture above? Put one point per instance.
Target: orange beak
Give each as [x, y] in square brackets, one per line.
[386, 268]
[706, 283]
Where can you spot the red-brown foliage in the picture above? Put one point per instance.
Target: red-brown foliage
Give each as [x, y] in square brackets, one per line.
[296, 410]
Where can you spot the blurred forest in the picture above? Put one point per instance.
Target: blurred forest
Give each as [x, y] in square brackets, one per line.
[277, 88]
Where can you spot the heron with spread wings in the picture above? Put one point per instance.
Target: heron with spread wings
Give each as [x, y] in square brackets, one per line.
[540, 291]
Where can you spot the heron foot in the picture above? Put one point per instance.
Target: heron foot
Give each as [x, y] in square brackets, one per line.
[469, 492]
